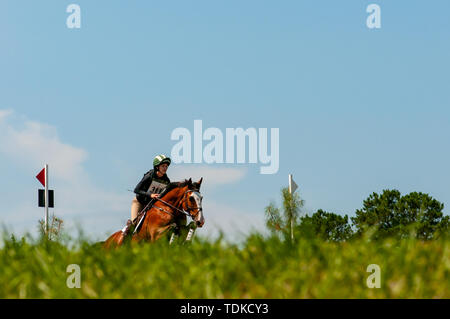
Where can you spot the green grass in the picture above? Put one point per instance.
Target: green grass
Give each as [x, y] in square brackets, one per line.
[259, 267]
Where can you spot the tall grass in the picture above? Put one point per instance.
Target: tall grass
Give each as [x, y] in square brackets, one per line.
[258, 267]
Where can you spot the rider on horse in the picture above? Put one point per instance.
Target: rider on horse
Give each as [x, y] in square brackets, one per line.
[151, 186]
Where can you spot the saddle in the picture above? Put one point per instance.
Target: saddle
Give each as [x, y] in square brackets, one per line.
[136, 223]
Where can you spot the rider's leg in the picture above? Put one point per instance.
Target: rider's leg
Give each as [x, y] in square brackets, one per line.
[136, 207]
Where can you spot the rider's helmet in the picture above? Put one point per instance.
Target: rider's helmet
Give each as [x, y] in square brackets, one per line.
[161, 159]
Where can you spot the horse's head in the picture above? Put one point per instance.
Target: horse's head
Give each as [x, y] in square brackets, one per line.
[192, 201]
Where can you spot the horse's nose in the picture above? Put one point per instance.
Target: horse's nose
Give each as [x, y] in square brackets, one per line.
[200, 223]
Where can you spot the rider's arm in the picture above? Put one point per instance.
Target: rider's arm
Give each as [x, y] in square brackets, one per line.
[142, 187]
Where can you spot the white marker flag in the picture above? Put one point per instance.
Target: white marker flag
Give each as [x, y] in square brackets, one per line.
[292, 185]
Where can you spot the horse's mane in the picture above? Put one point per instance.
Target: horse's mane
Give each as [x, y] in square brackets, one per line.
[174, 185]
[184, 183]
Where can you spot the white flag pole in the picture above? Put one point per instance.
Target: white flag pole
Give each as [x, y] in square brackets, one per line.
[292, 217]
[290, 184]
[46, 199]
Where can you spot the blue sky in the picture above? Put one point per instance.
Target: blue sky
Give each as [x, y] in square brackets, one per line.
[358, 110]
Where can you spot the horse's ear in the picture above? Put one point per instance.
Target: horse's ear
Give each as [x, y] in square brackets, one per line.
[200, 182]
[190, 181]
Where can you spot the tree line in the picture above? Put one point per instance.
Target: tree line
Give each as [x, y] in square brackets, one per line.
[388, 214]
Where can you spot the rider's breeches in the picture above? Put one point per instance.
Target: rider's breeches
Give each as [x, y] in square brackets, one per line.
[136, 207]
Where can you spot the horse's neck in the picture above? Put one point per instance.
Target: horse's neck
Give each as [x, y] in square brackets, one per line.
[173, 197]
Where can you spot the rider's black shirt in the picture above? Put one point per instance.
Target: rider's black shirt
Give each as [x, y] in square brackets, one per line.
[142, 189]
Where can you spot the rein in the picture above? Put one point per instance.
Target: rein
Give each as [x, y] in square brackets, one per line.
[176, 208]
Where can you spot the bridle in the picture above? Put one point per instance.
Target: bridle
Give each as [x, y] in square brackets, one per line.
[185, 212]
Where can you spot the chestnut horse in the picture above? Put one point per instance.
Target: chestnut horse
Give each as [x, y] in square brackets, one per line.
[178, 201]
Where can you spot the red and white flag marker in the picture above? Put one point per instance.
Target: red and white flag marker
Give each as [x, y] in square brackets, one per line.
[43, 178]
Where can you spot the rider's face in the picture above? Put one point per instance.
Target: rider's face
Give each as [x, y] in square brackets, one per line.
[163, 168]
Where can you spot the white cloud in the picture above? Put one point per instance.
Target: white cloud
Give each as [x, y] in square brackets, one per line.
[33, 144]
[37, 144]
[4, 114]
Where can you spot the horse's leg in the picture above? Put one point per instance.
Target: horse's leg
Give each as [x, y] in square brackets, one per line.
[160, 231]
